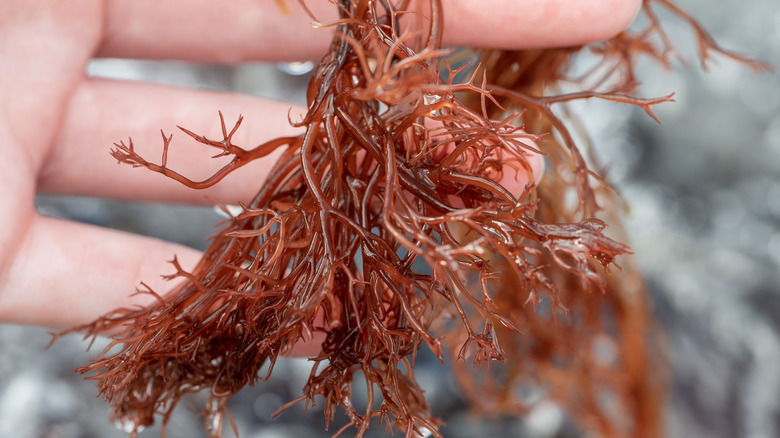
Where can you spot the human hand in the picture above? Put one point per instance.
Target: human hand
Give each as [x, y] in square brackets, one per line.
[56, 124]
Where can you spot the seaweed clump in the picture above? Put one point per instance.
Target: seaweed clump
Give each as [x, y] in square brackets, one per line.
[388, 227]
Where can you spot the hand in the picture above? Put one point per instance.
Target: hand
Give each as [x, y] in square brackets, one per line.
[56, 124]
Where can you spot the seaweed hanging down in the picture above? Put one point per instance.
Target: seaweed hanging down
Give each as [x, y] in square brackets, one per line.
[389, 226]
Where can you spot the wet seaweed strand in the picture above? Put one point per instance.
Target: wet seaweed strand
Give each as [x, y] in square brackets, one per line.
[383, 229]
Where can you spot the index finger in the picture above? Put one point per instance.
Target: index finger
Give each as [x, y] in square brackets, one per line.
[280, 30]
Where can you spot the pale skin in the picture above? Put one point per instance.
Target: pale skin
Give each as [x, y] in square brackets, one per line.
[57, 124]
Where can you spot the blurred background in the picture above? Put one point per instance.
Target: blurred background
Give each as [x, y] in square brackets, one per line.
[704, 220]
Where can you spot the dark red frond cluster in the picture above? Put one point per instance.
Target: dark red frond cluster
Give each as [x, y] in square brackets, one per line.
[386, 228]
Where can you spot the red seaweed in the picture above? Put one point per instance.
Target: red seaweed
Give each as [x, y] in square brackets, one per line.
[385, 228]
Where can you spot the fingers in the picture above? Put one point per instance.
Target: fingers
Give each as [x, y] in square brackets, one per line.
[239, 30]
[103, 112]
[67, 274]
[524, 24]
[215, 31]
